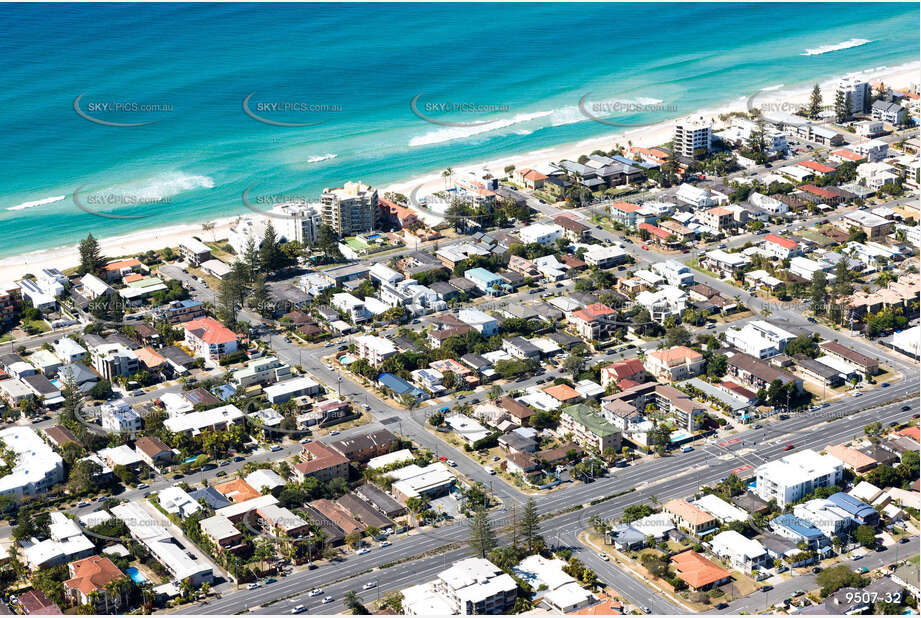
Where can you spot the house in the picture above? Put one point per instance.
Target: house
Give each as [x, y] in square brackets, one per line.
[558, 589]
[888, 112]
[519, 347]
[793, 476]
[741, 552]
[626, 214]
[221, 531]
[519, 413]
[295, 387]
[791, 527]
[698, 572]
[194, 423]
[780, 248]
[35, 603]
[209, 339]
[89, 582]
[722, 263]
[412, 481]
[690, 517]
[677, 363]
[114, 360]
[694, 196]
[530, 179]
[541, 233]
[851, 458]
[862, 363]
[481, 321]
[572, 229]
[825, 515]
[153, 451]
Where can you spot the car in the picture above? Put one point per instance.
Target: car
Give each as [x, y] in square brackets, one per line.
[299, 609]
[811, 319]
[451, 463]
[316, 592]
[711, 326]
[496, 458]
[368, 586]
[386, 543]
[816, 570]
[903, 540]
[722, 605]
[334, 433]
[799, 593]
[783, 417]
[327, 600]
[143, 486]
[645, 610]
[365, 406]
[857, 394]
[275, 448]
[221, 473]
[858, 557]
[788, 447]
[906, 408]
[884, 385]
[270, 580]
[343, 348]
[238, 458]
[756, 426]
[224, 463]
[767, 588]
[687, 449]
[178, 476]
[388, 531]
[489, 470]
[604, 556]
[253, 586]
[83, 505]
[328, 345]
[363, 551]
[209, 467]
[861, 570]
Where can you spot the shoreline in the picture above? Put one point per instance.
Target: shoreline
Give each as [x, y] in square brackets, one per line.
[63, 257]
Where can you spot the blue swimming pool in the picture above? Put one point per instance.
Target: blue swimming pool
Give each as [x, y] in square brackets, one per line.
[135, 575]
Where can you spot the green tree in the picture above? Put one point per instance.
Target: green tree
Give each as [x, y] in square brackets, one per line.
[815, 103]
[259, 298]
[866, 536]
[91, 260]
[529, 525]
[482, 537]
[270, 258]
[842, 106]
[716, 366]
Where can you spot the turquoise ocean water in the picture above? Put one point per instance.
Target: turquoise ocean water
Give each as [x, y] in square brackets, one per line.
[349, 73]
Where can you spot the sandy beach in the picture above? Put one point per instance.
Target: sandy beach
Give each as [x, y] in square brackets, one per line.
[901, 77]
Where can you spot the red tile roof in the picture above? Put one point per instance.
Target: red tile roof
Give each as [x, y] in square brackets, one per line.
[655, 231]
[625, 206]
[209, 330]
[786, 243]
[92, 574]
[817, 167]
[820, 191]
[844, 153]
[696, 570]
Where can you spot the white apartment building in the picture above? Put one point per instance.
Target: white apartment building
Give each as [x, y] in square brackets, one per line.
[857, 92]
[118, 417]
[350, 209]
[417, 298]
[374, 349]
[604, 256]
[37, 466]
[689, 134]
[675, 273]
[297, 222]
[246, 229]
[266, 370]
[694, 196]
[806, 268]
[471, 586]
[353, 307]
[759, 338]
[741, 552]
[384, 274]
[540, 233]
[668, 300]
[768, 203]
[793, 476]
[113, 360]
[873, 150]
[68, 350]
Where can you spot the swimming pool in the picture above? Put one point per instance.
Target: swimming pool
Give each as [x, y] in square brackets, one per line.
[135, 575]
[679, 434]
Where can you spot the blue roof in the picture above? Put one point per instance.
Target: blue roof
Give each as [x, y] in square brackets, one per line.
[854, 507]
[398, 385]
[189, 303]
[799, 526]
[482, 274]
[225, 391]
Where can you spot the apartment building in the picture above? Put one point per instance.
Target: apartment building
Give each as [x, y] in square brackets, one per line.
[350, 209]
[118, 417]
[689, 517]
[114, 360]
[374, 349]
[210, 339]
[471, 586]
[589, 428]
[677, 363]
[691, 134]
[793, 476]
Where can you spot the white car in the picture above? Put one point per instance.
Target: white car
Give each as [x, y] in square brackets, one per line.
[316, 592]
[327, 600]
[368, 586]
[386, 543]
[363, 551]
[300, 609]
[253, 586]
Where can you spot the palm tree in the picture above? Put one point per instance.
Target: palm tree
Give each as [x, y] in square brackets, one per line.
[351, 599]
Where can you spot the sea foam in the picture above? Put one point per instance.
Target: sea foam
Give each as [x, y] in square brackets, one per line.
[36, 203]
[826, 49]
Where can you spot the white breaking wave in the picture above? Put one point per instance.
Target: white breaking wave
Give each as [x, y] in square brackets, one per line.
[162, 186]
[318, 158]
[42, 202]
[825, 49]
[771, 88]
[555, 118]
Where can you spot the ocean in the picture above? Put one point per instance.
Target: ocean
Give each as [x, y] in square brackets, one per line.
[160, 114]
